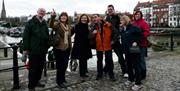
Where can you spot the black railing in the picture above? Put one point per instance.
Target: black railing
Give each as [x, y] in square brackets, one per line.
[15, 67]
[168, 32]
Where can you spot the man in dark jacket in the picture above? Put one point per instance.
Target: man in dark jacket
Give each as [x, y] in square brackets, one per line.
[114, 20]
[35, 44]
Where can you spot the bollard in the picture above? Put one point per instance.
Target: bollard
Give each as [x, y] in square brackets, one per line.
[172, 41]
[5, 52]
[15, 68]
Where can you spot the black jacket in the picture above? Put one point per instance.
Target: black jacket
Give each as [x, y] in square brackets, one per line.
[35, 37]
[130, 35]
[81, 48]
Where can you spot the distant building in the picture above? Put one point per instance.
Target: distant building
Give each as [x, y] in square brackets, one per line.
[174, 15]
[157, 12]
[3, 12]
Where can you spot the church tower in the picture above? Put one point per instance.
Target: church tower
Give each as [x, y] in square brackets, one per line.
[3, 12]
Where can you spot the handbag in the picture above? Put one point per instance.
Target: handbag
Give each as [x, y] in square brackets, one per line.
[73, 65]
[54, 38]
[134, 49]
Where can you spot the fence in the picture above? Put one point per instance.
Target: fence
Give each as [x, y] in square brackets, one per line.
[15, 67]
[169, 34]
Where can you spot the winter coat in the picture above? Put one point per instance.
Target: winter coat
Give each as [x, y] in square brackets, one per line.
[130, 35]
[115, 21]
[57, 26]
[81, 48]
[35, 37]
[143, 25]
[104, 37]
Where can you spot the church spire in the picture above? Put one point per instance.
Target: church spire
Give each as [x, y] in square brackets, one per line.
[3, 12]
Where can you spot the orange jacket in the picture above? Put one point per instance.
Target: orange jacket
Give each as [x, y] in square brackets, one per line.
[103, 42]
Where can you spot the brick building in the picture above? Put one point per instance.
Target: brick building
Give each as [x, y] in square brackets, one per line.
[159, 13]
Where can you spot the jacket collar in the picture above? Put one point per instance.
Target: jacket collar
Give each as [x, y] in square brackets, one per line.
[36, 20]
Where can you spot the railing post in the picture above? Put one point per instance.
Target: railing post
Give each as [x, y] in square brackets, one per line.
[172, 41]
[15, 68]
[5, 52]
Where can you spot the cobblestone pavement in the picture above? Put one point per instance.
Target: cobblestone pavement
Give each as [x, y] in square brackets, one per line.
[163, 75]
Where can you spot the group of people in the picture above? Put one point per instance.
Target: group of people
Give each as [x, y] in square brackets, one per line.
[104, 34]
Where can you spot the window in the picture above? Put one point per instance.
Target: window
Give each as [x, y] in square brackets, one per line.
[174, 19]
[170, 24]
[170, 19]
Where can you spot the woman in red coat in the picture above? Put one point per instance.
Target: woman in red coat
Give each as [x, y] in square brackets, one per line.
[143, 25]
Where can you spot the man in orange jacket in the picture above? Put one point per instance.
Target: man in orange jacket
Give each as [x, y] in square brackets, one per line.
[103, 45]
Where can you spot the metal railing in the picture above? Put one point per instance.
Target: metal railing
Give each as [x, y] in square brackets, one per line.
[15, 67]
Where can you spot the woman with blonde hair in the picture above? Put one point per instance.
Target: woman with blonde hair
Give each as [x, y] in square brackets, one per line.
[130, 38]
[63, 47]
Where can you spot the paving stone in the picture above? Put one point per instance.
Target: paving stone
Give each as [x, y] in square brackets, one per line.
[163, 75]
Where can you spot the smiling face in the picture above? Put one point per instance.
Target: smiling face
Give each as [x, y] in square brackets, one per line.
[41, 12]
[110, 10]
[84, 19]
[63, 18]
[137, 16]
[123, 22]
[94, 19]
[98, 19]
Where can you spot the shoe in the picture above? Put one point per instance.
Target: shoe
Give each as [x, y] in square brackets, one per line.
[128, 83]
[136, 87]
[113, 78]
[125, 75]
[61, 85]
[65, 81]
[98, 77]
[40, 85]
[33, 89]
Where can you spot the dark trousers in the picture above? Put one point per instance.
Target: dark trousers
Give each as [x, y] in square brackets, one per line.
[108, 62]
[36, 64]
[134, 69]
[117, 47]
[82, 66]
[143, 62]
[62, 58]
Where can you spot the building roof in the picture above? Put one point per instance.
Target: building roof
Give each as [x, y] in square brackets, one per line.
[163, 2]
[143, 4]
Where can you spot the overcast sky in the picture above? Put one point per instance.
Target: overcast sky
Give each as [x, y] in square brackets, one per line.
[27, 7]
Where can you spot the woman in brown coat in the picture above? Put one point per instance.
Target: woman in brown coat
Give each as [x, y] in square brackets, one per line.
[63, 47]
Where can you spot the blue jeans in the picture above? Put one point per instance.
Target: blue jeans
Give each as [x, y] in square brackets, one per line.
[143, 63]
